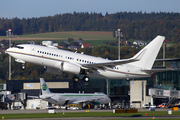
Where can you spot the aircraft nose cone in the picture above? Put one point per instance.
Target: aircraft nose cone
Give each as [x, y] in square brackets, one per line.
[7, 50]
[109, 100]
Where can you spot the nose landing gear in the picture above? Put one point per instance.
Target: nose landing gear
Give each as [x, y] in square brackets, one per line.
[23, 66]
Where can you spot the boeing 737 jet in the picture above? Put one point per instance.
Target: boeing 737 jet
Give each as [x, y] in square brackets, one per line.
[71, 98]
[58, 61]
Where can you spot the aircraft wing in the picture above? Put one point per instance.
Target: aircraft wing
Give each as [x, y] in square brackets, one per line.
[116, 62]
[83, 101]
[113, 63]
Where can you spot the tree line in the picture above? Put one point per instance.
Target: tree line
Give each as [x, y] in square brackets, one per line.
[134, 25]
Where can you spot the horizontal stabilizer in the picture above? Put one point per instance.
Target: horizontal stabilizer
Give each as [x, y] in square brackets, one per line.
[33, 97]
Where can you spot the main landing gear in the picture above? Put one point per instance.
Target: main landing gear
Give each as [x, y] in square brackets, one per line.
[85, 79]
[75, 79]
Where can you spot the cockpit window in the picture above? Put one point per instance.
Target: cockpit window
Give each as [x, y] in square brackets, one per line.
[20, 47]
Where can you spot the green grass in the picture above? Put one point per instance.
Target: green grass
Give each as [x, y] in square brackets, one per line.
[92, 35]
[88, 114]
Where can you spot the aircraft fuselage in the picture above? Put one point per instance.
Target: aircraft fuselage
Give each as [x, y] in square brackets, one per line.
[53, 58]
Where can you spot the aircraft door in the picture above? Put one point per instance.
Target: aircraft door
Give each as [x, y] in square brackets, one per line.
[33, 49]
[127, 71]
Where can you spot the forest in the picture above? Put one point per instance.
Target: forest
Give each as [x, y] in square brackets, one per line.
[144, 26]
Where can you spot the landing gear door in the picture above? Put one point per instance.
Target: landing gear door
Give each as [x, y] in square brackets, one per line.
[33, 49]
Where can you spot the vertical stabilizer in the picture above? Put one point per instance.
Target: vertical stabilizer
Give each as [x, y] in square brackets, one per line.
[44, 87]
[150, 53]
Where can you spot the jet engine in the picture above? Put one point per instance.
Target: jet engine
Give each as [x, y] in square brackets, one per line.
[71, 68]
[64, 67]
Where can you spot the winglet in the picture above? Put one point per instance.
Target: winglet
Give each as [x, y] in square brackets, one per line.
[44, 87]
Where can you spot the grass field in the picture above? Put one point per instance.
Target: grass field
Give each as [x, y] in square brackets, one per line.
[85, 35]
[91, 37]
[89, 114]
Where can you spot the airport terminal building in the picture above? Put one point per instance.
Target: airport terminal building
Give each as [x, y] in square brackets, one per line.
[117, 90]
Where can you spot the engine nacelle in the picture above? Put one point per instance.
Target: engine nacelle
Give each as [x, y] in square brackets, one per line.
[64, 67]
[71, 68]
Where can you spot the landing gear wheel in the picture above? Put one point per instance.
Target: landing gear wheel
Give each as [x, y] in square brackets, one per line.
[85, 79]
[75, 79]
[23, 66]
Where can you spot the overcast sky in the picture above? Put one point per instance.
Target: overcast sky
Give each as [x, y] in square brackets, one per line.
[41, 8]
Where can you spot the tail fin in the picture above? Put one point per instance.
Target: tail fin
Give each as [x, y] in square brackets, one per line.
[149, 53]
[44, 87]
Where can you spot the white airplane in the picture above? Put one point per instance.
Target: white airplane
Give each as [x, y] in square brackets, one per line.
[71, 98]
[58, 61]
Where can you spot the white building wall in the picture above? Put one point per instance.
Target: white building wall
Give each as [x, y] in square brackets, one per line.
[137, 93]
[32, 104]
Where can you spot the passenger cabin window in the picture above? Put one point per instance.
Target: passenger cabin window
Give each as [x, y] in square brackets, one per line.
[20, 47]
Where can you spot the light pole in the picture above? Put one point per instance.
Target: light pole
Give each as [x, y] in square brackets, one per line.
[9, 34]
[119, 34]
[164, 52]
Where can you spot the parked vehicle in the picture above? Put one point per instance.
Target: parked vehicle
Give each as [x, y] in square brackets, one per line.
[162, 105]
[16, 108]
[153, 106]
[49, 107]
[38, 107]
[147, 106]
[65, 107]
[76, 108]
[56, 107]
[177, 104]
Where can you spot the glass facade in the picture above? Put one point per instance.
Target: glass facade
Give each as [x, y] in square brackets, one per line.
[163, 80]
